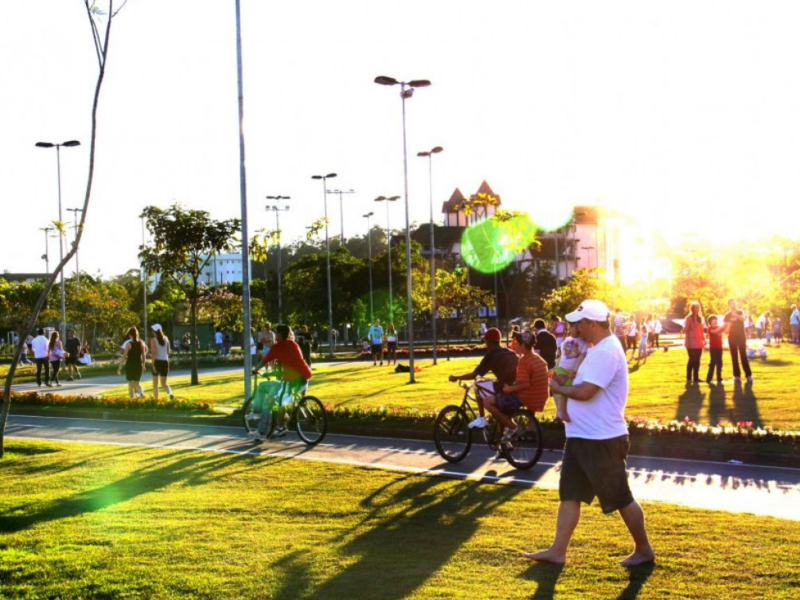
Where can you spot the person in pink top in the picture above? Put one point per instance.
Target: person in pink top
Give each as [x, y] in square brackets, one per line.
[694, 340]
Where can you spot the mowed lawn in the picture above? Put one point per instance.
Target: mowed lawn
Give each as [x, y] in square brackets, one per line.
[658, 388]
[90, 521]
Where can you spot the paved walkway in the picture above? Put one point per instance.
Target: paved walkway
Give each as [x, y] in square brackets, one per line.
[768, 491]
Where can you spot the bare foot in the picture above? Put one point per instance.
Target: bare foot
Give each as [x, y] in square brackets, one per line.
[638, 557]
[563, 415]
[547, 556]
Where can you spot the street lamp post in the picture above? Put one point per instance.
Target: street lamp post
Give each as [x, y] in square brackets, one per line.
[341, 209]
[430, 154]
[369, 250]
[278, 210]
[46, 256]
[389, 249]
[75, 212]
[324, 179]
[69, 144]
[144, 283]
[406, 91]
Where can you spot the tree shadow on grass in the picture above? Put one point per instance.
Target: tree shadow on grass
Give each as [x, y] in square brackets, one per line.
[409, 533]
[181, 466]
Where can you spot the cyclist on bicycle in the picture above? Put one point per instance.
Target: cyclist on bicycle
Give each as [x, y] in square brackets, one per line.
[295, 376]
[502, 362]
[531, 387]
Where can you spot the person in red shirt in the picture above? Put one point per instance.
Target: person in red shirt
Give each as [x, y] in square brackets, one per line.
[294, 379]
[715, 349]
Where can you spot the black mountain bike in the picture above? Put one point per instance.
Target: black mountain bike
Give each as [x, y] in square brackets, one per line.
[453, 436]
[306, 414]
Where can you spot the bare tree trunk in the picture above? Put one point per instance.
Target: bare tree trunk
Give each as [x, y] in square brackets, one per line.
[193, 340]
[101, 46]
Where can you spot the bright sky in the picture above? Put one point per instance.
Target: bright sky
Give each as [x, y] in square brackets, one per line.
[684, 113]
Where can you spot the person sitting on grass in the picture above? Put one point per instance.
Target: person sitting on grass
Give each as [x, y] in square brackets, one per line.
[294, 379]
[502, 362]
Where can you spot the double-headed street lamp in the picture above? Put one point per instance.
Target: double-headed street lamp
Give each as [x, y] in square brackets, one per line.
[369, 250]
[406, 91]
[429, 156]
[341, 208]
[389, 248]
[69, 144]
[278, 209]
[324, 179]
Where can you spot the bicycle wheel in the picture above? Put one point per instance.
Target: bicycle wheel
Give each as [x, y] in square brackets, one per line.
[451, 434]
[311, 420]
[251, 420]
[525, 449]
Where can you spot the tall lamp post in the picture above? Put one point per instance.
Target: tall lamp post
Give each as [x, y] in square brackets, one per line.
[406, 91]
[341, 208]
[75, 212]
[278, 209]
[69, 144]
[369, 250]
[324, 179]
[46, 256]
[429, 155]
[389, 249]
[144, 284]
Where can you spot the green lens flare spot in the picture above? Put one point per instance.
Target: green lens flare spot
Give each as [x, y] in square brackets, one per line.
[492, 244]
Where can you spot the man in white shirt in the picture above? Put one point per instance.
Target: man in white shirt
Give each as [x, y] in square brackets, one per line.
[375, 335]
[794, 323]
[597, 439]
[39, 345]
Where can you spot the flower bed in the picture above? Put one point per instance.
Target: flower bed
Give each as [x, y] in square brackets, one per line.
[122, 402]
[425, 351]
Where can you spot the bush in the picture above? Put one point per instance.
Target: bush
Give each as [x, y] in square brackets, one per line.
[123, 402]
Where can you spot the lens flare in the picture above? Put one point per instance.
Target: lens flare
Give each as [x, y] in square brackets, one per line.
[492, 244]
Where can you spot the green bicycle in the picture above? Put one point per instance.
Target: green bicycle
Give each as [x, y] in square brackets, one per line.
[307, 415]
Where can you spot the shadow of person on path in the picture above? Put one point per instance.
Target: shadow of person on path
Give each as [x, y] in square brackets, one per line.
[546, 576]
[413, 526]
[689, 403]
[745, 404]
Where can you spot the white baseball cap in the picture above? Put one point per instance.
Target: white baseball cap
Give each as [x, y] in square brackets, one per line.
[156, 327]
[593, 310]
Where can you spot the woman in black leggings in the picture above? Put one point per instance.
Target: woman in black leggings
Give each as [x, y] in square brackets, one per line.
[694, 341]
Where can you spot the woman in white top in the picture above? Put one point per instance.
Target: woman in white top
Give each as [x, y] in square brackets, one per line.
[55, 354]
[391, 343]
[159, 350]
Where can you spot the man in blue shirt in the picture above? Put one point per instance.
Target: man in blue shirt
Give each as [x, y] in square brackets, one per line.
[375, 335]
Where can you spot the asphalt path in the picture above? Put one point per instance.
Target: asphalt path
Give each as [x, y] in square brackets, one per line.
[770, 491]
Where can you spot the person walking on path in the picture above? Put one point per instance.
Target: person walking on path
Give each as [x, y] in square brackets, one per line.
[737, 341]
[656, 330]
[55, 354]
[39, 346]
[597, 440]
[715, 332]
[375, 335]
[159, 350]
[72, 345]
[219, 340]
[133, 357]
[23, 355]
[794, 323]
[694, 340]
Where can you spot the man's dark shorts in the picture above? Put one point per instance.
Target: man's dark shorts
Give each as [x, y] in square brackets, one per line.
[596, 468]
[377, 348]
[507, 403]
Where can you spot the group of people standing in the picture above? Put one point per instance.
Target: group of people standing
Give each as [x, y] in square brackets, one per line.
[640, 337]
[377, 337]
[695, 330]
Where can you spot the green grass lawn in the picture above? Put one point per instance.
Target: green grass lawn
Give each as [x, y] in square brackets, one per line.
[657, 389]
[88, 521]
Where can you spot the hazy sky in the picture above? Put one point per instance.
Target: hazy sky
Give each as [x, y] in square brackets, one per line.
[686, 114]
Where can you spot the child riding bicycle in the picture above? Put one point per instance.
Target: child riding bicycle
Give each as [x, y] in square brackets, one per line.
[294, 380]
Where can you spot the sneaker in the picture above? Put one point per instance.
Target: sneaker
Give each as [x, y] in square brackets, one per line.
[509, 434]
[48, 384]
[279, 431]
[79, 375]
[58, 384]
[69, 378]
[737, 378]
[749, 380]
[256, 436]
[172, 397]
[480, 423]
[251, 416]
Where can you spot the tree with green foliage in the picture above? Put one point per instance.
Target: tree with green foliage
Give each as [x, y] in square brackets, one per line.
[183, 241]
[583, 284]
[454, 295]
